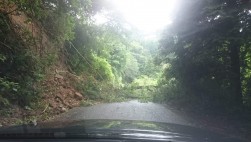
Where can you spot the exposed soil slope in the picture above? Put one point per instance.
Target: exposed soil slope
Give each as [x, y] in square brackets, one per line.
[57, 90]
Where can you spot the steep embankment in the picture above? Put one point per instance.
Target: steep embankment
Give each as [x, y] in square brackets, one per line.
[57, 93]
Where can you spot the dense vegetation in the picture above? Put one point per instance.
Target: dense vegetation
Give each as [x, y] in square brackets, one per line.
[207, 54]
[106, 57]
[203, 58]
[23, 60]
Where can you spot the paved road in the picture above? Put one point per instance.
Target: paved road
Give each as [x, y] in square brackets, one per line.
[132, 110]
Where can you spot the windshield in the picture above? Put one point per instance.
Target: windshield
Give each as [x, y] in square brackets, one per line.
[185, 62]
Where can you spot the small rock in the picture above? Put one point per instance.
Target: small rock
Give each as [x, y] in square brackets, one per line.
[1, 125]
[60, 81]
[63, 109]
[61, 106]
[52, 105]
[33, 122]
[59, 76]
[27, 108]
[78, 96]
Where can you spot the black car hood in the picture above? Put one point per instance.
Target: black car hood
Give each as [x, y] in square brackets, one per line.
[115, 129]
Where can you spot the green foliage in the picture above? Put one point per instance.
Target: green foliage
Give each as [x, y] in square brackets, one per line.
[87, 103]
[32, 8]
[60, 27]
[105, 53]
[103, 68]
[246, 71]
[99, 91]
[2, 58]
[20, 68]
[144, 81]
[203, 48]
[57, 17]
[131, 68]
[88, 87]
[110, 93]
[6, 88]
[18, 84]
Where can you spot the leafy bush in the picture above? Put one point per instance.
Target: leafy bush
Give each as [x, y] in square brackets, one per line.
[167, 90]
[144, 81]
[131, 70]
[21, 67]
[103, 68]
[7, 87]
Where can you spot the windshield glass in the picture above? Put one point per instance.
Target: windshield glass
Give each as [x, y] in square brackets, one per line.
[185, 62]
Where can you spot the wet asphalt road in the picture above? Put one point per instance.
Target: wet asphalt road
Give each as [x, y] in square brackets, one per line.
[132, 110]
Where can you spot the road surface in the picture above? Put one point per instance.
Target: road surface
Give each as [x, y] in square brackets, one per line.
[132, 110]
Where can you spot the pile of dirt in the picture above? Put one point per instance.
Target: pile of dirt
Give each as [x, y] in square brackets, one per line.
[59, 95]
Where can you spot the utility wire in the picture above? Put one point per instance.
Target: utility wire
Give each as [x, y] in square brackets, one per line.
[86, 60]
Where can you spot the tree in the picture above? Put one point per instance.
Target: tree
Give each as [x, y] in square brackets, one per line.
[206, 38]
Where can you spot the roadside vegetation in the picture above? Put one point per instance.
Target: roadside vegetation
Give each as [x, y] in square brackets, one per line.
[207, 62]
[48, 52]
[54, 56]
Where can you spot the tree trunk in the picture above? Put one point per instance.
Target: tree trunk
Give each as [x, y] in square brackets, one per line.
[235, 70]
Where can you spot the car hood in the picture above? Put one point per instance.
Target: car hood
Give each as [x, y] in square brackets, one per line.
[115, 129]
